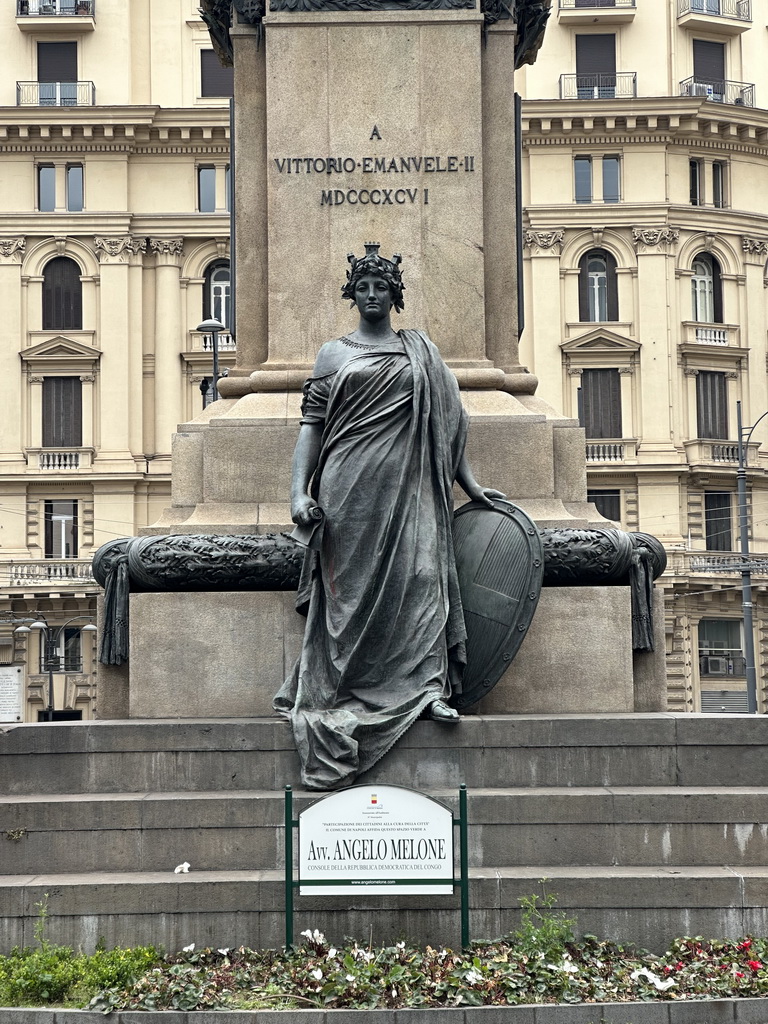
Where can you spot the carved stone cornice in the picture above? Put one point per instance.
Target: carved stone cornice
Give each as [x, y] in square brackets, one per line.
[119, 249]
[12, 249]
[649, 239]
[690, 372]
[575, 371]
[168, 250]
[549, 241]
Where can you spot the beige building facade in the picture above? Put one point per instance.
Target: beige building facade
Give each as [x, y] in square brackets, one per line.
[646, 241]
[114, 246]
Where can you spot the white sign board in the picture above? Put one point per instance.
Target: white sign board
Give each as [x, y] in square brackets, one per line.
[11, 693]
[382, 839]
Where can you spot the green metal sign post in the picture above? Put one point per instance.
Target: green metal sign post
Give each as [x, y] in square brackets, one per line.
[291, 883]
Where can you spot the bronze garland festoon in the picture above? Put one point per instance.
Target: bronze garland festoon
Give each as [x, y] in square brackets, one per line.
[530, 16]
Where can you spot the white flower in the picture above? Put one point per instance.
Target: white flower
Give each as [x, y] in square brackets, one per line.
[307, 934]
[350, 977]
[182, 869]
[318, 936]
[189, 948]
[331, 953]
[473, 977]
[317, 974]
[223, 951]
[400, 945]
[654, 979]
[367, 956]
[394, 992]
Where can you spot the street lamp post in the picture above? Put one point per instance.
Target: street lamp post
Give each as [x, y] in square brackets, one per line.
[213, 327]
[51, 637]
[744, 436]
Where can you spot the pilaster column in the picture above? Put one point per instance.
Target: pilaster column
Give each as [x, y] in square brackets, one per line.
[499, 189]
[250, 145]
[11, 255]
[543, 334]
[113, 254]
[755, 254]
[168, 340]
[35, 412]
[87, 382]
[136, 254]
[658, 324]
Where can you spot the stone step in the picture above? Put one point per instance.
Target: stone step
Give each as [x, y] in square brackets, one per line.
[648, 905]
[485, 751]
[243, 830]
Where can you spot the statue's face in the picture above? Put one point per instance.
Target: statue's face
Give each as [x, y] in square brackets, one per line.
[372, 297]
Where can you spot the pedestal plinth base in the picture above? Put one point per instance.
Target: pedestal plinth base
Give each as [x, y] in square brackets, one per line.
[224, 655]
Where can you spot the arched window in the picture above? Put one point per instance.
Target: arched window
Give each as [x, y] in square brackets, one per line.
[62, 295]
[216, 293]
[706, 290]
[598, 293]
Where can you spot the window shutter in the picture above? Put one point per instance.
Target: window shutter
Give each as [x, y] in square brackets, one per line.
[57, 62]
[708, 61]
[612, 288]
[62, 412]
[717, 520]
[216, 80]
[601, 394]
[711, 405]
[717, 292]
[584, 289]
[62, 295]
[596, 55]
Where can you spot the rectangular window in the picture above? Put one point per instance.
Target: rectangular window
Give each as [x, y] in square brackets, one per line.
[62, 412]
[694, 176]
[711, 405]
[46, 188]
[215, 80]
[57, 62]
[717, 520]
[75, 188]
[61, 529]
[611, 189]
[720, 650]
[66, 655]
[601, 402]
[582, 173]
[709, 65]
[607, 503]
[718, 183]
[206, 189]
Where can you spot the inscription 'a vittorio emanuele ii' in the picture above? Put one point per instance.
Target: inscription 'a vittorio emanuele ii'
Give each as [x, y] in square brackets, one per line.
[374, 164]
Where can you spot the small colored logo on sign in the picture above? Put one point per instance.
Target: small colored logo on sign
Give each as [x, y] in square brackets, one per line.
[374, 798]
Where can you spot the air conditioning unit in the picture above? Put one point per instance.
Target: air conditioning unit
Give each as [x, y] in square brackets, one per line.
[700, 89]
[712, 666]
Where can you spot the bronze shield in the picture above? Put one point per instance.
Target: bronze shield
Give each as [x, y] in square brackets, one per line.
[500, 563]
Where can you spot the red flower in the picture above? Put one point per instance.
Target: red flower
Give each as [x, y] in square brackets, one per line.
[739, 974]
[724, 967]
[667, 969]
[755, 965]
[745, 944]
[679, 965]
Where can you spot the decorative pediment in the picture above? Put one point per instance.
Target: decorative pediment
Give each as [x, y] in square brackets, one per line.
[57, 353]
[600, 341]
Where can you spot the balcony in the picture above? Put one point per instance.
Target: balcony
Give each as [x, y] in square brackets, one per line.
[50, 570]
[741, 94]
[720, 335]
[200, 342]
[722, 17]
[618, 85]
[55, 94]
[722, 663]
[602, 452]
[56, 15]
[723, 454]
[60, 460]
[682, 563]
[589, 12]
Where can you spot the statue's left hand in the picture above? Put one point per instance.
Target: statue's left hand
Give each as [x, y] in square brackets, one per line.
[485, 496]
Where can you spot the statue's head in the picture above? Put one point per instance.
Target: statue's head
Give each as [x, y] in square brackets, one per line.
[372, 263]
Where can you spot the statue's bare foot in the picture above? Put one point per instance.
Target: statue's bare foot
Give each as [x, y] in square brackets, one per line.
[439, 711]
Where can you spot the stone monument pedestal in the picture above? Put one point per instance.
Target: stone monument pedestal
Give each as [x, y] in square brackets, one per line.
[230, 653]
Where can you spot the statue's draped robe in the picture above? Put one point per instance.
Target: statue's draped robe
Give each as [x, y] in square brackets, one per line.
[381, 595]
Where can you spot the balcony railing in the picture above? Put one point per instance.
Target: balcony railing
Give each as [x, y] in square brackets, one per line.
[577, 4]
[65, 8]
[50, 570]
[711, 335]
[621, 84]
[697, 333]
[702, 451]
[611, 451]
[742, 94]
[226, 343]
[60, 460]
[680, 563]
[741, 10]
[55, 94]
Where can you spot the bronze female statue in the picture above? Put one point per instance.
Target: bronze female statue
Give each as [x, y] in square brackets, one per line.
[381, 442]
